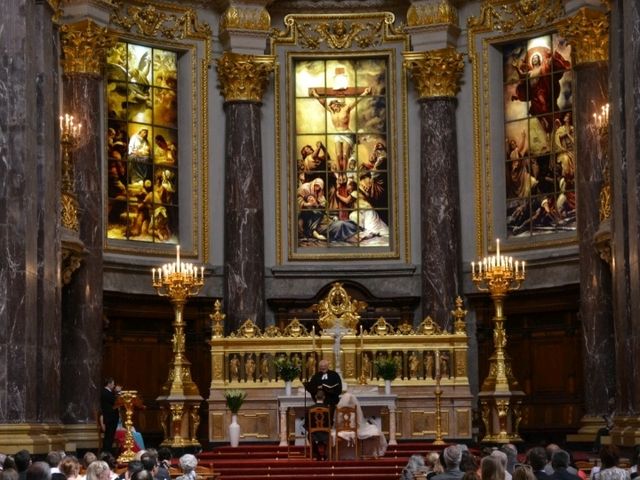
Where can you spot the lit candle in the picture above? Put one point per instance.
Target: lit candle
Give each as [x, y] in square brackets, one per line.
[516, 267]
[178, 254]
[498, 248]
[361, 340]
[202, 273]
[61, 118]
[437, 363]
[153, 275]
[523, 267]
[473, 268]
[313, 338]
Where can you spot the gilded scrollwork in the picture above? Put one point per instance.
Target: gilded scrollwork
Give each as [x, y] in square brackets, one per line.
[295, 329]
[588, 33]
[245, 17]
[248, 330]
[84, 47]
[244, 77]
[151, 21]
[435, 73]
[69, 213]
[512, 15]
[428, 327]
[381, 328]
[338, 308]
[217, 319]
[430, 12]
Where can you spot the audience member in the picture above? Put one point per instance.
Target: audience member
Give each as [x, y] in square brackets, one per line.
[23, 461]
[109, 459]
[537, 458]
[53, 459]
[511, 451]
[560, 464]
[164, 464]
[609, 470]
[451, 456]
[432, 462]
[471, 475]
[500, 455]
[188, 464]
[414, 467]
[9, 474]
[70, 467]
[87, 459]
[523, 472]
[491, 468]
[98, 470]
[468, 462]
[38, 471]
[633, 471]
[9, 464]
[551, 449]
[133, 467]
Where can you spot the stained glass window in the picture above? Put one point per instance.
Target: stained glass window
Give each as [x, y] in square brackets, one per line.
[341, 158]
[540, 159]
[142, 144]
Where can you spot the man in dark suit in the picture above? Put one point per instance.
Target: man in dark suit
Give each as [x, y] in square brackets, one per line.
[109, 413]
[560, 463]
[537, 458]
[329, 382]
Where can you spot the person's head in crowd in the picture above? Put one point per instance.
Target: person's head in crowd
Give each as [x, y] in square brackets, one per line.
[470, 475]
[491, 468]
[23, 460]
[9, 474]
[149, 462]
[134, 467]
[485, 451]
[511, 452]
[98, 470]
[70, 467]
[2, 459]
[500, 455]
[54, 458]
[188, 463]
[9, 463]
[142, 475]
[537, 458]
[468, 462]
[523, 472]
[452, 456]
[88, 458]
[609, 456]
[560, 460]
[432, 461]
[139, 454]
[414, 465]
[39, 471]
[551, 449]
[164, 456]
[109, 459]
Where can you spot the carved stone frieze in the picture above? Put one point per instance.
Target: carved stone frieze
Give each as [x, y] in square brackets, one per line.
[436, 73]
[588, 33]
[84, 47]
[513, 15]
[244, 77]
[432, 12]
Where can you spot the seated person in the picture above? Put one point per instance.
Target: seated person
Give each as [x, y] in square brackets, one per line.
[319, 440]
[373, 442]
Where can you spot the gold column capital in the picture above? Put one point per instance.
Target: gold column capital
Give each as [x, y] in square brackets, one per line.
[244, 77]
[588, 33]
[431, 12]
[245, 17]
[84, 47]
[436, 73]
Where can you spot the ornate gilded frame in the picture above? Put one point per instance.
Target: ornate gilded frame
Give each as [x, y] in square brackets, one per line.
[499, 22]
[349, 37]
[173, 27]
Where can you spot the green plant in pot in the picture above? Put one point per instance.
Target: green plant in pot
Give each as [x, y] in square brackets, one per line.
[387, 369]
[287, 370]
[234, 399]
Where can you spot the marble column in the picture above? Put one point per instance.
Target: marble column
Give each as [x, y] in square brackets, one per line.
[587, 31]
[243, 79]
[29, 238]
[436, 75]
[82, 297]
[624, 133]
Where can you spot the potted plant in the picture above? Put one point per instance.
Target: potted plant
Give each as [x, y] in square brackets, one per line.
[287, 371]
[387, 369]
[234, 399]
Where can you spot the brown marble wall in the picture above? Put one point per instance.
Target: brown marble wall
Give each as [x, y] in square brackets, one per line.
[439, 201]
[29, 215]
[244, 220]
[625, 132]
[82, 300]
[595, 276]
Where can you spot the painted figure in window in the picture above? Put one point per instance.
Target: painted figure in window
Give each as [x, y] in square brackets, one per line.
[139, 154]
[311, 159]
[312, 202]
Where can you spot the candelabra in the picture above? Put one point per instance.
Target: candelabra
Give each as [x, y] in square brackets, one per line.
[438, 393]
[69, 138]
[500, 395]
[128, 399]
[180, 396]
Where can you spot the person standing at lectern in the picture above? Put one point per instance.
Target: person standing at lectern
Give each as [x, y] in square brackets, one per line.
[109, 413]
[329, 382]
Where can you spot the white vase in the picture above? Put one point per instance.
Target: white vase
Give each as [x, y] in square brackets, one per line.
[234, 431]
[387, 387]
[287, 388]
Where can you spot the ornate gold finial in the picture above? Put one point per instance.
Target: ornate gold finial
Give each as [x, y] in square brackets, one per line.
[432, 12]
[588, 33]
[295, 329]
[459, 324]
[338, 308]
[382, 328]
[245, 17]
[244, 77]
[436, 73]
[150, 21]
[248, 330]
[217, 317]
[510, 15]
[84, 47]
[428, 327]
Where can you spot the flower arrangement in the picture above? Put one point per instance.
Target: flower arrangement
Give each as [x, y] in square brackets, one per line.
[386, 368]
[235, 399]
[286, 369]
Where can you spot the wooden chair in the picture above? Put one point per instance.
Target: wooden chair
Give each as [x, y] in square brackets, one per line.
[347, 425]
[319, 422]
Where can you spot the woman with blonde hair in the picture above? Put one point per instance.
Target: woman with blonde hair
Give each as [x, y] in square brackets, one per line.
[491, 468]
[98, 470]
[70, 467]
[433, 465]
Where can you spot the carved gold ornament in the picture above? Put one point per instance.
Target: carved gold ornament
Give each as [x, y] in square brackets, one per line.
[435, 73]
[341, 32]
[84, 47]
[217, 319]
[588, 33]
[430, 12]
[428, 327]
[459, 325]
[511, 15]
[150, 21]
[245, 17]
[244, 77]
[337, 308]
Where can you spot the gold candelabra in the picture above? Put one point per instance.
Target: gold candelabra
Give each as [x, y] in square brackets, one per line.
[69, 139]
[128, 400]
[438, 393]
[362, 380]
[500, 395]
[180, 399]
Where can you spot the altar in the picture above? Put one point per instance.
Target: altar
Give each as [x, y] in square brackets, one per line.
[370, 401]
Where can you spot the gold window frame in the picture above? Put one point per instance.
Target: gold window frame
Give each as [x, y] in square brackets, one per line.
[175, 28]
[342, 37]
